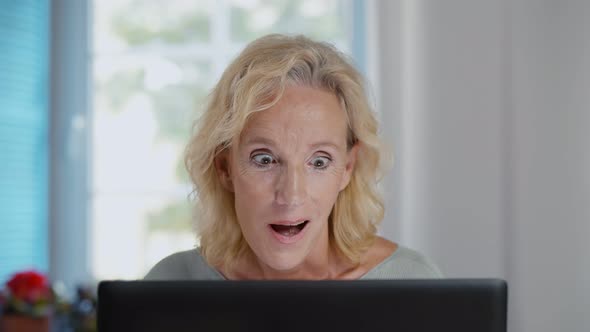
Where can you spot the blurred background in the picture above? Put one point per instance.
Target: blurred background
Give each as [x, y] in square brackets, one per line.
[485, 105]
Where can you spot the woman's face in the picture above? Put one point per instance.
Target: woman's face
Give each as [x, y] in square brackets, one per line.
[286, 172]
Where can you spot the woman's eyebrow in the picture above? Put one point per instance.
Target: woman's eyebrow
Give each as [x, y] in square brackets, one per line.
[259, 140]
[331, 144]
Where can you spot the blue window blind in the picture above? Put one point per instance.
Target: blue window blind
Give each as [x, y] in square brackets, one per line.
[24, 117]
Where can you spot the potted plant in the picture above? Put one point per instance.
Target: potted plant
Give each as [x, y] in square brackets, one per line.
[27, 303]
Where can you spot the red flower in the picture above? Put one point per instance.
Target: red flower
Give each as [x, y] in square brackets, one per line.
[29, 286]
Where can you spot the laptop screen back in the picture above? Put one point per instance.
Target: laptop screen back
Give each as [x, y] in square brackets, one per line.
[458, 305]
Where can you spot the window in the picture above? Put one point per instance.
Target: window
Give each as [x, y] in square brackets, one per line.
[153, 64]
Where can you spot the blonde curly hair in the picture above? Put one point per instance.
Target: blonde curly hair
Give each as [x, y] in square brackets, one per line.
[254, 82]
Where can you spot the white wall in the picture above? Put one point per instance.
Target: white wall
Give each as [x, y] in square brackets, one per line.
[550, 175]
[488, 108]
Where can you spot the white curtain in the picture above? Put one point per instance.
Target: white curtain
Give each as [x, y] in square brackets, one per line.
[487, 107]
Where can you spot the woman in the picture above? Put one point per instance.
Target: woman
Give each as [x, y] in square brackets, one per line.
[285, 164]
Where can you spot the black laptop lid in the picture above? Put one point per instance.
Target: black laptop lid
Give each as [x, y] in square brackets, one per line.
[458, 305]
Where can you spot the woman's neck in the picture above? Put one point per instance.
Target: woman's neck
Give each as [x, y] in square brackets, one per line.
[328, 264]
[322, 264]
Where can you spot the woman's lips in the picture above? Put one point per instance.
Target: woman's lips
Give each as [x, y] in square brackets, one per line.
[288, 232]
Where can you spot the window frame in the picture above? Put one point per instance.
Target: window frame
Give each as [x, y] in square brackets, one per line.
[69, 137]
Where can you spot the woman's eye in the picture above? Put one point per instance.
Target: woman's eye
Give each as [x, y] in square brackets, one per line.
[320, 162]
[263, 159]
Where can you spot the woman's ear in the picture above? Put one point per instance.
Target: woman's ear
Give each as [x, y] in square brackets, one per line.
[352, 155]
[223, 169]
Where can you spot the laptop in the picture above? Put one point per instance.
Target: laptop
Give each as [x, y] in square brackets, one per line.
[458, 305]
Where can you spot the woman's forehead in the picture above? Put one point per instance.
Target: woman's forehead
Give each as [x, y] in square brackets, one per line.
[304, 113]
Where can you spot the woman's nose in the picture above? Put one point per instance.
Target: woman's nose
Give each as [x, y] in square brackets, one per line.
[291, 188]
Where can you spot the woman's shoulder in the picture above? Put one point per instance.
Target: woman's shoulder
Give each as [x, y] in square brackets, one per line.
[403, 263]
[183, 265]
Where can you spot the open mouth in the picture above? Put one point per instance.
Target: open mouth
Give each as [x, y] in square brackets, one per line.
[289, 230]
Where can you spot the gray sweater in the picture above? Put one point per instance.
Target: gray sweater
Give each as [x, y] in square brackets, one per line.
[404, 263]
